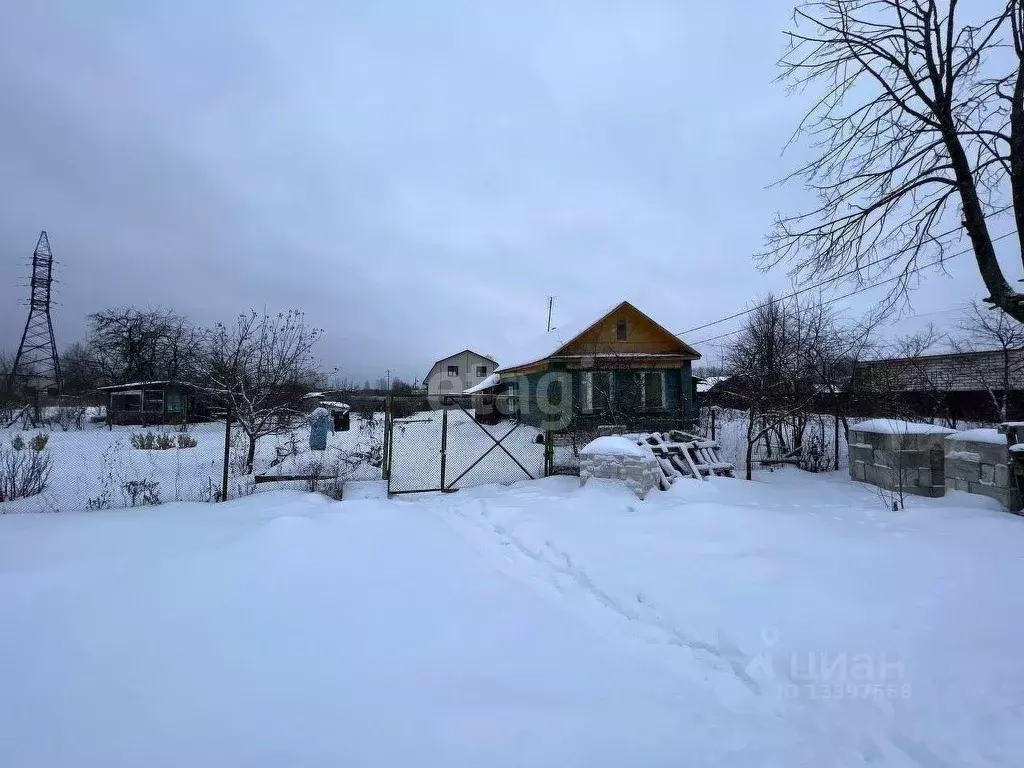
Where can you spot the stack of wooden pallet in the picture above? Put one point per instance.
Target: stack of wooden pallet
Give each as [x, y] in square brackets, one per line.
[681, 454]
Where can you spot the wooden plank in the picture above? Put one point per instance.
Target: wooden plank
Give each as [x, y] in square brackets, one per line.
[693, 467]
[284, 478]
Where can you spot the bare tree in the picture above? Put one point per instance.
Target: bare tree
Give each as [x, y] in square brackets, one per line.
[918, 135]
[130, 344]
[992, 345]
[79, 371]
[771, 362]
[260, 366]
[788, 356]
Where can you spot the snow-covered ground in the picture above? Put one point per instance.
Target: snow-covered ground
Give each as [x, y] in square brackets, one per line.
[788, 621]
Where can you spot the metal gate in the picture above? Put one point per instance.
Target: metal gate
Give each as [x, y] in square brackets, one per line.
[450, 449]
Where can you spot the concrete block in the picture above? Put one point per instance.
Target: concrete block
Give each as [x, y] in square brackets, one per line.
[857, 470]
[1002, 476]
[991, 491]
[988, 473]
[992, 454]
[860, 453]
[962, 484]
[911, 458]
[936, 460]
[969, 470]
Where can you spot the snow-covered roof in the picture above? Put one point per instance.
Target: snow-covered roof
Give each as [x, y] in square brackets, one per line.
[897, 427]
[312, 395]
[541, 346]
[614, 445]
[980, 435]
[334, 405]
[705, 384]
[487, 383]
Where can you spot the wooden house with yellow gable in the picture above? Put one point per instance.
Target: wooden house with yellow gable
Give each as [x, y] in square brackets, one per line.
[621, 368]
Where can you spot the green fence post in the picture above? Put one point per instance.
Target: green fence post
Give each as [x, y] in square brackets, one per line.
[444, 443]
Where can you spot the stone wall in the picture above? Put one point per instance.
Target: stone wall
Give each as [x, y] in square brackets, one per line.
[638, 473]
[894, 457]
[981, 466]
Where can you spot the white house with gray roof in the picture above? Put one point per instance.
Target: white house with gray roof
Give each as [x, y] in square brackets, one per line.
[456, 373]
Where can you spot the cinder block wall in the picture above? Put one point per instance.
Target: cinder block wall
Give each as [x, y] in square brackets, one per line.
[889, 460]
[981, 467]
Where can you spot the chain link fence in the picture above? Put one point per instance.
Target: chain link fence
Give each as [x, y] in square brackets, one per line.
[66, 458]
[452, 447]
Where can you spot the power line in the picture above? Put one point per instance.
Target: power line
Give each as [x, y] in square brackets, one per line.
[837, 298]
[838, 277]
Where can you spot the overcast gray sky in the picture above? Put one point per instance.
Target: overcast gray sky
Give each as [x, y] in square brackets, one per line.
[416, 176]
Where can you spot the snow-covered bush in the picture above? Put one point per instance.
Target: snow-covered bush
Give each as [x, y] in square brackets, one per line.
[186, 441]
[153, 441]
[39, 441]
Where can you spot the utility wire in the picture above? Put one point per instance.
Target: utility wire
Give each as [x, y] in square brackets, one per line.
[841, 276]
[833, 300]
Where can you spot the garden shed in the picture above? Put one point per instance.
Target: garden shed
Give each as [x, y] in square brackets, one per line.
[149, 403]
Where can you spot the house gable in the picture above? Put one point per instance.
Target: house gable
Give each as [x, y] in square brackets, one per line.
[626, 331]
[458, 372]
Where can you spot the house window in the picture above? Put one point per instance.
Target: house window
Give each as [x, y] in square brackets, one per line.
[481, 371]
[652, 389]
[126, 401]
[453, 370]
[620, 330]
[175, 402]
[597, 391]
[511, 404]
[154, 400]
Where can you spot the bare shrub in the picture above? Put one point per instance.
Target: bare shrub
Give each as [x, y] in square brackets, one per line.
[39, 441]
[141, 493]
[291, 448]
[22, 473]
[67, 417]
[186, 441]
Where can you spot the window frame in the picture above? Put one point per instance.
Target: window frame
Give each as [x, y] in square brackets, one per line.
[590, 404]
[621, 330]
[453, 371]
[663, 404]
[179, 401]
[481, 371]
[587, 391]
[150, 397]
[512, 399]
